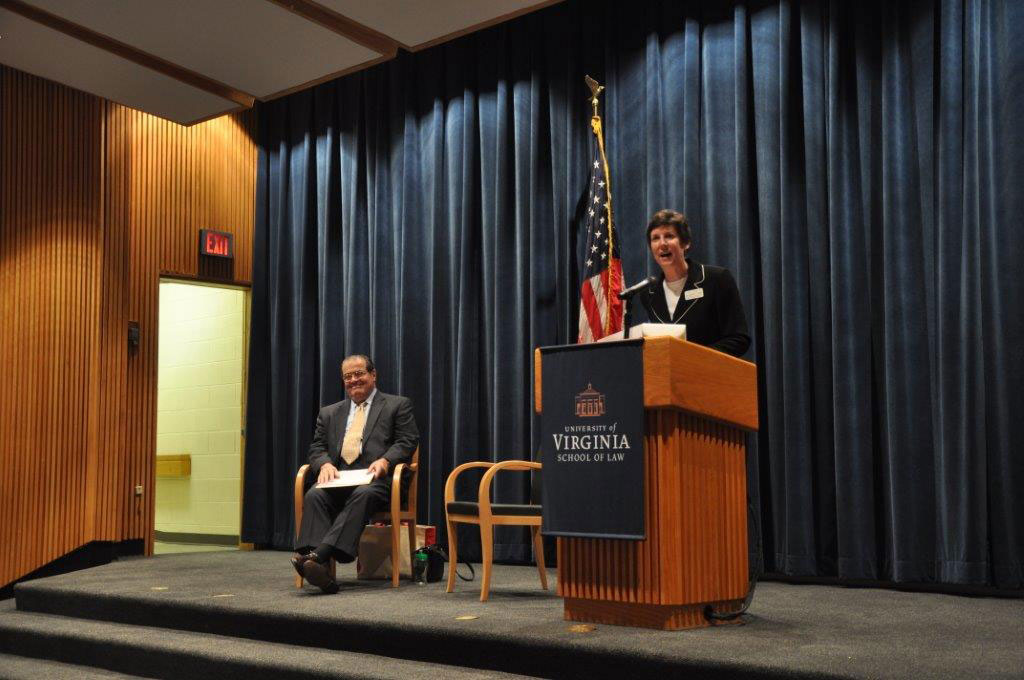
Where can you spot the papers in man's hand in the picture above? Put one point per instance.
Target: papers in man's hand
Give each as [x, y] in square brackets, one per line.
[348, 478]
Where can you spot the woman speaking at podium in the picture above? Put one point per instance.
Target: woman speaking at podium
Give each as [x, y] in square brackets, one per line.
[701, 296]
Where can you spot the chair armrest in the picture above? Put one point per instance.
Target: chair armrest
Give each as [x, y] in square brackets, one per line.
[396, 484]
[300, 480]
[449, 486]
[396, 491]
[484, 495]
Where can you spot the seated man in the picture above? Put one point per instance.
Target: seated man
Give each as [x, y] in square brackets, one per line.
[369, 430]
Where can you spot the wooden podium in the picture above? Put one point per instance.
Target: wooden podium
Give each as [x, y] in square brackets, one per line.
[698, 403]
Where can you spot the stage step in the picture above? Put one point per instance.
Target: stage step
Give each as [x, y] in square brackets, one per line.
[252, 596]
[238, 614]
[24, 668]
[49, 646]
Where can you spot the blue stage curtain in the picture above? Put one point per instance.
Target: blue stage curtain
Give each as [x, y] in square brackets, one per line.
[856, 165]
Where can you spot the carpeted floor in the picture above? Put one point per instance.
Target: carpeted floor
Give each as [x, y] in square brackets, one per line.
[790, 630]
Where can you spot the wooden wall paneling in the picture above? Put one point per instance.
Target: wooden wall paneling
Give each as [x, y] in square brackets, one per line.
[112, 486]
[24, 258]
[49, 221]
[96, 201]
[112, 490]
[67, 446]
[11, 328]
[148, 240]
[39, 335]
[145, 241]
[88, 181]
[8, 292]
[76, 176]
[122, 120]
[40, 384]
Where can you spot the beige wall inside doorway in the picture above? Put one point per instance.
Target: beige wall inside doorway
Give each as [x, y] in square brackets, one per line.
[199, 401]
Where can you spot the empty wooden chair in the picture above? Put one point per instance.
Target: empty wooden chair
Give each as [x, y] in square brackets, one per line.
[487, 515]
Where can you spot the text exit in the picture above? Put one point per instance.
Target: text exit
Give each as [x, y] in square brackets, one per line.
[217, 243]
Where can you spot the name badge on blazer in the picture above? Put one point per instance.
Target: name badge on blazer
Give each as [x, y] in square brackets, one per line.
[693, 294]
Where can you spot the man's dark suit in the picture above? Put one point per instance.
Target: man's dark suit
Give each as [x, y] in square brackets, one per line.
[337, 516]
[715, 319]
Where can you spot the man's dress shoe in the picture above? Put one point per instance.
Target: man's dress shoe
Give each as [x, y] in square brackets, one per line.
[298, 561]
[317, 574]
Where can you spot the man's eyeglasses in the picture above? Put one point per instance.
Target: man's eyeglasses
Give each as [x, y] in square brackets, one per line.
[353, 375]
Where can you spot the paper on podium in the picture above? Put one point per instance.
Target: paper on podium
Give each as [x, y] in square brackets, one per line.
[650, 330]
[348, 478]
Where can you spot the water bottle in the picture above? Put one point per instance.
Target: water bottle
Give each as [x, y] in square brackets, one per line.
[419, 567]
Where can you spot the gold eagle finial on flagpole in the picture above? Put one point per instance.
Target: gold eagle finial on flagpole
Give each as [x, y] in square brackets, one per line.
[595, 90]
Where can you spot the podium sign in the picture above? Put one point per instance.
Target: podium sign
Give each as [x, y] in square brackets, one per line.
[592, 433]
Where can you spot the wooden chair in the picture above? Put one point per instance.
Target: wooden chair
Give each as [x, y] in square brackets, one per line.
[396, 513]
[487, 515]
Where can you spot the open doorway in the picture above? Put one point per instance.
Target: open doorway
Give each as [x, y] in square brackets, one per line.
[200, 411]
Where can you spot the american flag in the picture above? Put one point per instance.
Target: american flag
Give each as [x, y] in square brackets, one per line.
[600, 307]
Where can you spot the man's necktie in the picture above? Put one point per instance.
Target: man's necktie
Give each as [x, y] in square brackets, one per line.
[354, 435]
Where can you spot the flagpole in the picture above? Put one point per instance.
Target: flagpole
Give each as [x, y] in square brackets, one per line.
[601, 280]
[595, 123]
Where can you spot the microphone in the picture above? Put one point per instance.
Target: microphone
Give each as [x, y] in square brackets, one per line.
[637, 287]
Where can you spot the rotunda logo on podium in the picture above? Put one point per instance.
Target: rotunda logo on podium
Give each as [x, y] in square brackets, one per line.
[589, 403]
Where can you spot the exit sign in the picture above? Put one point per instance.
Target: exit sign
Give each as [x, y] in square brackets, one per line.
[216, 243]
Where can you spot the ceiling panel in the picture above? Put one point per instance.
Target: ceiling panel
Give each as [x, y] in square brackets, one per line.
[251, 45]
[415, 23]
[189, 60]
[48, 53]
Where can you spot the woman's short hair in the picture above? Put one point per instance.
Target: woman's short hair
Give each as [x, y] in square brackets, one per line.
[670, 218]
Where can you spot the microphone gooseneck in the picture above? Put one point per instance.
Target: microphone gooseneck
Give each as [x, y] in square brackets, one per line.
[637, 287]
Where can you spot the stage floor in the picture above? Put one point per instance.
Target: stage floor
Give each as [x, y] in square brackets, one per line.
[790, 630]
